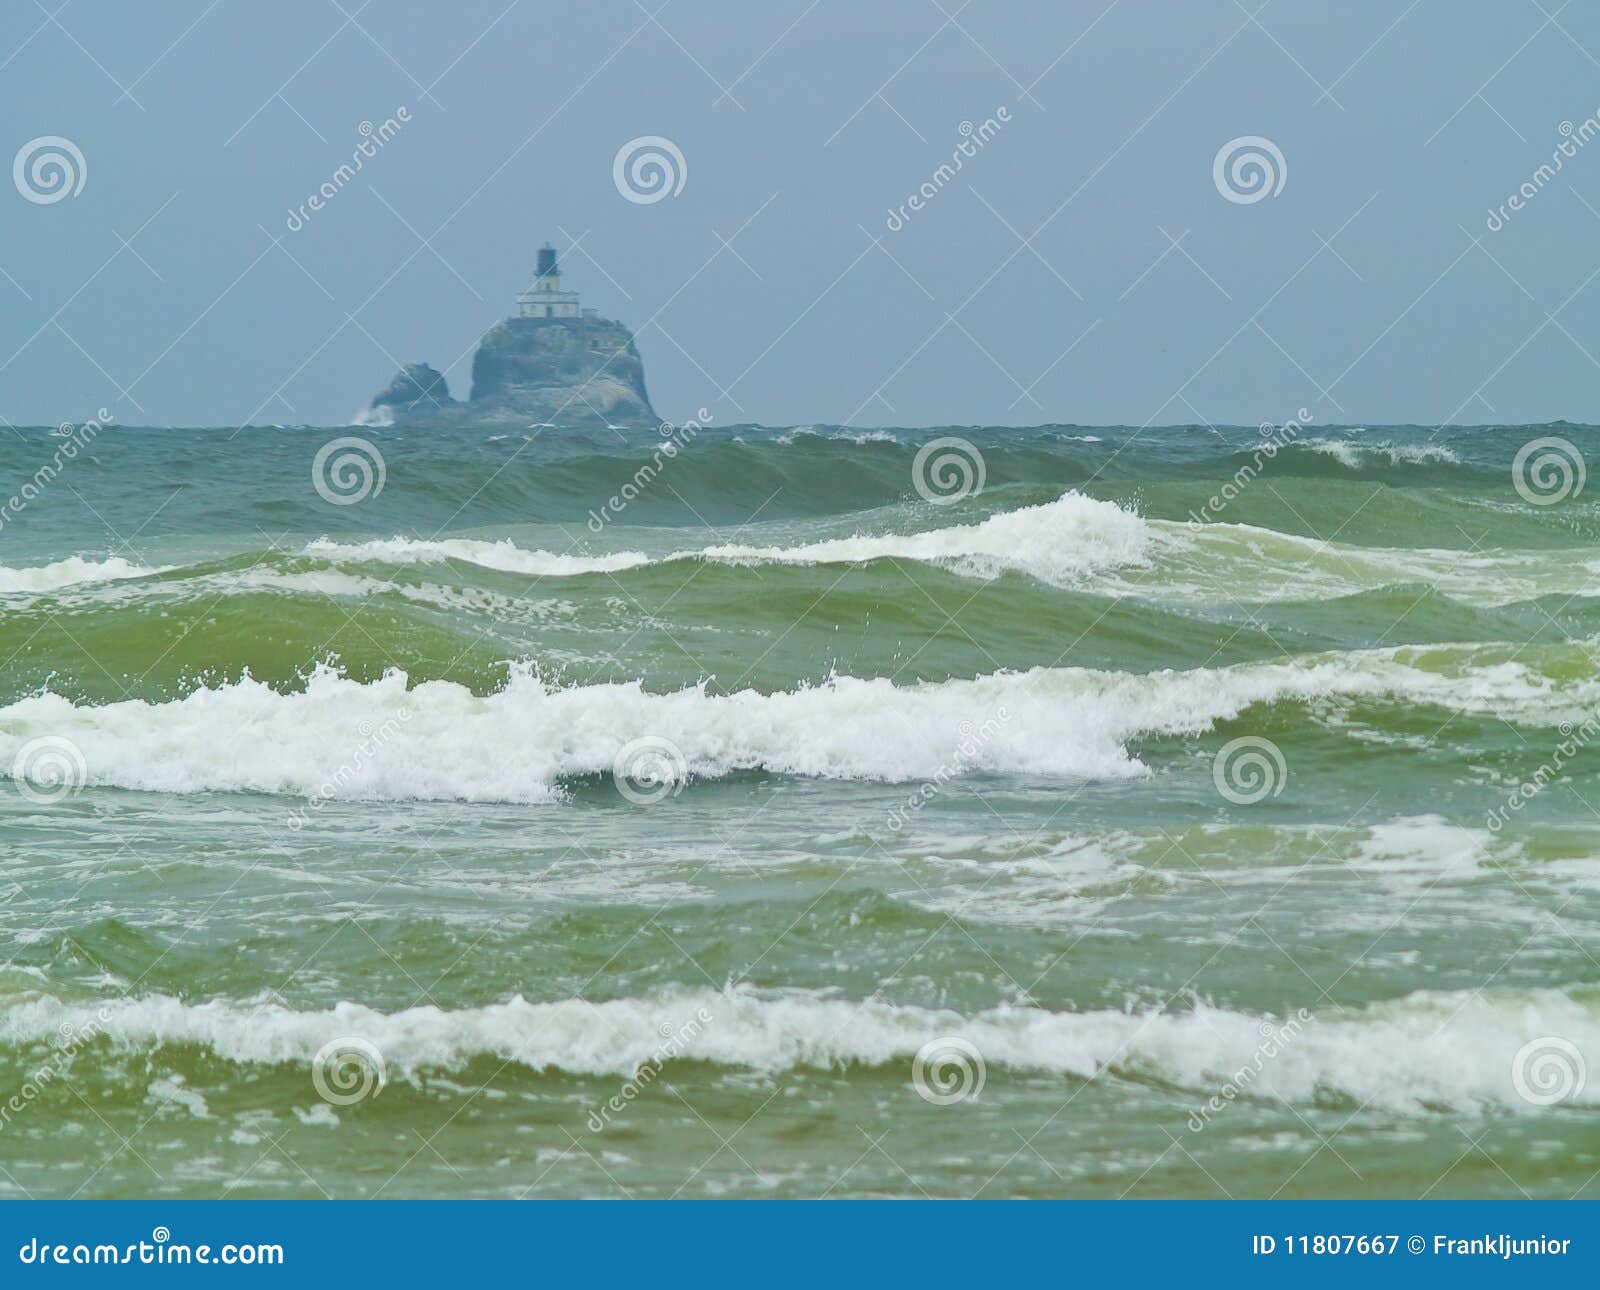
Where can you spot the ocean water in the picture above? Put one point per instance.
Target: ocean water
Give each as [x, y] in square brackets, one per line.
[781, 828]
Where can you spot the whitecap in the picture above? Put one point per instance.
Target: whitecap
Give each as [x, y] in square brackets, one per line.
[1056, 542]
[503, 555]
[1415, 1054]
[389, 740]
[69, 572]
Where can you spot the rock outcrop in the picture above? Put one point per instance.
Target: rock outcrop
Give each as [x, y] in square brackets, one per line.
[583, 373]
[417, 386]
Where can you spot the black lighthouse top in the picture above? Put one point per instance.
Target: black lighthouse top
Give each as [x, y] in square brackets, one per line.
[547, 261]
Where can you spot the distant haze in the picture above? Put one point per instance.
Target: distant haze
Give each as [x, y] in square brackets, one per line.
[805, 129]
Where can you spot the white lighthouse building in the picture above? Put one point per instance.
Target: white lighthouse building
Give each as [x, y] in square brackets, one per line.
[545, 298]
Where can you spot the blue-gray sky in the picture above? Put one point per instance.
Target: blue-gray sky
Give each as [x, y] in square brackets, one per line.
[1040, 284]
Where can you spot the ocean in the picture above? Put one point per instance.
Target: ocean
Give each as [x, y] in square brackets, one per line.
[1078, 812]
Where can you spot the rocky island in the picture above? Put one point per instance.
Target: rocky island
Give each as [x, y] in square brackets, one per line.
[553, 364]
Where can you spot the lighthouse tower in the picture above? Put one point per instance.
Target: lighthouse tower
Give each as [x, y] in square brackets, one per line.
[545, 298]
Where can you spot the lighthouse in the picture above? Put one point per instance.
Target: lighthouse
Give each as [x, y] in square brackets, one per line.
[545, 298]
[550, 362]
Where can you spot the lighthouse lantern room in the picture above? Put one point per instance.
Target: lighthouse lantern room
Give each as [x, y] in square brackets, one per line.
[545, 298]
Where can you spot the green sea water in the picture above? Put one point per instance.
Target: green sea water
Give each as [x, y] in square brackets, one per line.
[798, 817]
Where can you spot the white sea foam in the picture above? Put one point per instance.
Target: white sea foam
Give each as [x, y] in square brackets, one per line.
[1244, 564]
[1352, 455]
[1418, 1054]
[847, 436]
[373, 418]
[1083, 544]
[333, 583]
[503, 555]
[1074, 542]
[1056, 542]
[441, 741]
[69, 572]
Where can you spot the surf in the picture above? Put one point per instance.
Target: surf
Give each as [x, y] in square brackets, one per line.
[439, 740]
[71, 572]
[1419, 1054]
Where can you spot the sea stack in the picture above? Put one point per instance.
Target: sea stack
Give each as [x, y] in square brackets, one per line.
[554, 363]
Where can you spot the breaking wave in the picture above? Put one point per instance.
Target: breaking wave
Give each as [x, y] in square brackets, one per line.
[1082, 544]
[69, 572]
[1423, 1052]
[438, 740]
[1056, 542]
[503, 555]
[1356, 455]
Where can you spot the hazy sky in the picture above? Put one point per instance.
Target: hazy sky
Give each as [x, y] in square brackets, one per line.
[1038, 284]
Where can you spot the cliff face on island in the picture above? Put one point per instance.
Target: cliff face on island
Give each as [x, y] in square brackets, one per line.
[580, 372]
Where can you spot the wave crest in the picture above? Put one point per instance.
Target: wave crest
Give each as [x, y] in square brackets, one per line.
[1056, 542]
[389, 740]
[504, 555]
[69, 572]
[1419, 1053]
